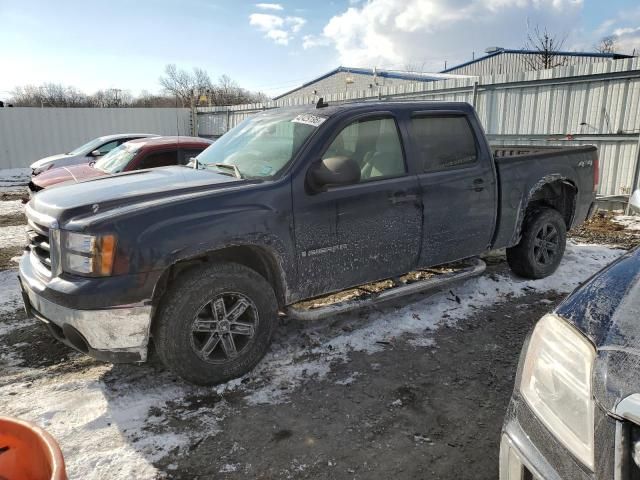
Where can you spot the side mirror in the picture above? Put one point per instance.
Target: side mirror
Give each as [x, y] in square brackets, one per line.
[96, 153]
[334, 171]
[634, 202]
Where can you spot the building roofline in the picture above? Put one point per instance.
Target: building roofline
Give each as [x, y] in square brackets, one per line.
[414, 76]
[613, 56]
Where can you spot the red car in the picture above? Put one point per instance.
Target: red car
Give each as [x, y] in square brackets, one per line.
[133, 155]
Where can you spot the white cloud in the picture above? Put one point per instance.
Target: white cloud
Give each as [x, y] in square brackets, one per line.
[624, 28]
[269, 6]
[393, 33]
[280, 30]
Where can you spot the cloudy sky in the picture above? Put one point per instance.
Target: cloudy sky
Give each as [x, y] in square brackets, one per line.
[274, 47]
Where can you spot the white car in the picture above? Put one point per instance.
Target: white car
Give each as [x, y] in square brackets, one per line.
[634, 201]
[86, 153]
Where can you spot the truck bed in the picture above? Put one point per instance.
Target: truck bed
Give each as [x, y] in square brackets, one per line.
[522, 169]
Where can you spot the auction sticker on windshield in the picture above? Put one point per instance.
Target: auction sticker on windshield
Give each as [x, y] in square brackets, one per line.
[309, 119]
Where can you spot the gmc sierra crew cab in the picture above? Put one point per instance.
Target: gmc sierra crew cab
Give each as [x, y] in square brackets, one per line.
[198, 262]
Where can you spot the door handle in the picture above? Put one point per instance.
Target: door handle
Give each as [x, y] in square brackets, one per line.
[478, 185]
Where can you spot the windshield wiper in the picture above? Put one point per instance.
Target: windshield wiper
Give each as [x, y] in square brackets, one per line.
[229, 166]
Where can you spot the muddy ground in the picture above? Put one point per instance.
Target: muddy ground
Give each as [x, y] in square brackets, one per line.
[410, 412]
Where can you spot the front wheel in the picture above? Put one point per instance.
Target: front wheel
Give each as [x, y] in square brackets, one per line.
[544, 238]
[216, 323]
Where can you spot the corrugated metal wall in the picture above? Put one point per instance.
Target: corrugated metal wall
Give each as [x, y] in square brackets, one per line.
[509, 62]
[595, 103]
[27, 134]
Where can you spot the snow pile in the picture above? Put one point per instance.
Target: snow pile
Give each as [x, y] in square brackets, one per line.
[11, 208]
[107, 431]
[13, 236]
[10, 177]
[628, 222]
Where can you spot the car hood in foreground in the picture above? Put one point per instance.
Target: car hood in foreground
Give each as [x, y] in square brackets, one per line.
[126, 190]
[65, 174]
[607, 310]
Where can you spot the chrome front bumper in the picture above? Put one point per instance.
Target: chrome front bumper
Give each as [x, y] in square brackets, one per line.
[118, 334]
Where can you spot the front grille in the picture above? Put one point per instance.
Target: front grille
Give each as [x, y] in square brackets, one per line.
[33, 188]
[38, 235]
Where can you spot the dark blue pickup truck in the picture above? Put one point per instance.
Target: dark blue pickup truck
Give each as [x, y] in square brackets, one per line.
[291, 204]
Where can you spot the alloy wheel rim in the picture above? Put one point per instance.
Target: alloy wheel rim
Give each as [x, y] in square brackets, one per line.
[546, 244]
[223, 327]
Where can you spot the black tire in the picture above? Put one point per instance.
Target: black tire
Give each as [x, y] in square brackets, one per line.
[540, 251]
[186, 326]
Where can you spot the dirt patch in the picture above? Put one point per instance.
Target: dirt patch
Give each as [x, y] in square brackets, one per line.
[404, 412]
[6, 254]
[602, 229]
[14, 193]
[11, 220]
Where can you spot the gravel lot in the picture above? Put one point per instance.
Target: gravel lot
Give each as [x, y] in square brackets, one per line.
[415, 389]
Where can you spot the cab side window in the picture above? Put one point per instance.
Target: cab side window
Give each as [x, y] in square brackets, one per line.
[185, 155]
[107, 147]
[160, 159]
[374, 145]
[443, 142]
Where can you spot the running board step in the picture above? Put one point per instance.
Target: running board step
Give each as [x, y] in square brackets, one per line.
[300, 311]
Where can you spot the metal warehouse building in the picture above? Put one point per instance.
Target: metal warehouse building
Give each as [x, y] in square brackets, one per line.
[348, 80]
[503, 60]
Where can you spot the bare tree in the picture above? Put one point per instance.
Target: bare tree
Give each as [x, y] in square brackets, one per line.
[188, 87]
[547, 48]
[607, 44]
[48, 95]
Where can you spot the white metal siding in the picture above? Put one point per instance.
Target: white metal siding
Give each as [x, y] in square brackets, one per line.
[516, 62]
[523, 107]
[27, 134]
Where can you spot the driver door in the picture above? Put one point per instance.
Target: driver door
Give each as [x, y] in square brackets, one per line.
[354, 234]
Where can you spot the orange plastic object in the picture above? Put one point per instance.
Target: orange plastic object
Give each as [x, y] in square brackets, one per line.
[27, 452]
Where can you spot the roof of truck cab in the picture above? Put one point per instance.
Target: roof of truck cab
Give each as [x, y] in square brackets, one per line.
[177, 141]
[333, 109]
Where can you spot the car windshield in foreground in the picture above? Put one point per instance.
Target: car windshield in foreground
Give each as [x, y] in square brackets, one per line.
[87, 147]
[261, 146]
[117, 159]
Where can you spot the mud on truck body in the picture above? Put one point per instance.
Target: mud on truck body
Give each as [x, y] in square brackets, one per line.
[198, 262]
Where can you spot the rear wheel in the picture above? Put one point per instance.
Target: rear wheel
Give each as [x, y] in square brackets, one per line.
[544, 238]
[216, 324]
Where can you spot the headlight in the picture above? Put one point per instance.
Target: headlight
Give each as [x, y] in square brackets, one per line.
[39, 170]
[556, 383]
[87, 254]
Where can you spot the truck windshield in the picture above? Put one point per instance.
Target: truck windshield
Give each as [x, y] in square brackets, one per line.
[117, 159]
[261, 146]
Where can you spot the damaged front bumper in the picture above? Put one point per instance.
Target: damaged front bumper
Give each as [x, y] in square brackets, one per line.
[116, 334]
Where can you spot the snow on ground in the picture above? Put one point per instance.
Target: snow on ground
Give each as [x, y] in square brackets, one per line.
[10, 208]
[10, 297]
[629, 222]
[114, 421]
[14, 176]
[13, 236]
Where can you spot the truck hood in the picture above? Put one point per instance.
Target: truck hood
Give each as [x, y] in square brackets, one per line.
[607, 310]
[126, 189]
[73, 173]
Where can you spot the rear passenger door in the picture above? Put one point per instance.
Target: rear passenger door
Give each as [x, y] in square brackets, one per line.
[353, 234]
[458, 186]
